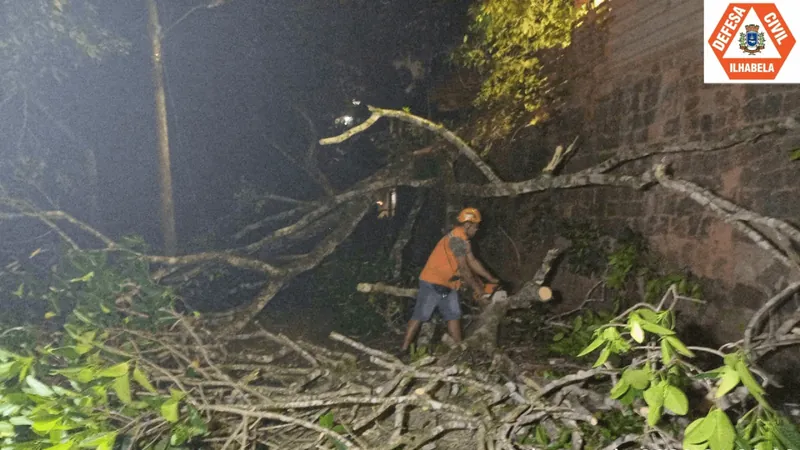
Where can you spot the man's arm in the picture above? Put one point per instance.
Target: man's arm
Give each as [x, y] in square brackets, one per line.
[462, 251]
[477, 267]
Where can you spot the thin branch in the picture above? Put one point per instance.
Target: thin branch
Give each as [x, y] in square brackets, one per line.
[448, 135]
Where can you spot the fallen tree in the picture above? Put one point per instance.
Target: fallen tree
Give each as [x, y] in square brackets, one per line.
[322, 394]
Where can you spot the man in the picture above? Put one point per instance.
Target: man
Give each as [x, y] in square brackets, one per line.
[450, 263]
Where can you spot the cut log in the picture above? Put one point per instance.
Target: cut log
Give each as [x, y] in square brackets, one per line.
[483, 335]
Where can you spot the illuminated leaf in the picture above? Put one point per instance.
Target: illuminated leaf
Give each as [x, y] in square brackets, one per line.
[593, 346]
[654, 415]
[122, 387]
[38, 388]
[84, 278]
[698, 431]
[729, 380]
[724, 434]
[141, 378]
[114, 371]
[169, 410]
[657, 329]
[604, 354]
[637, 333]
[620, 388]
[638, 378]
[675, 400]
[678, 346]
[666, 352]
[654, 396]
[747, 379]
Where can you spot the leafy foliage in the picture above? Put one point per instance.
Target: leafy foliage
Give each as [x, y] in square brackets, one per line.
[505, 44]
[660, 370]
[81, 386]
[580, 334]
[47, 38]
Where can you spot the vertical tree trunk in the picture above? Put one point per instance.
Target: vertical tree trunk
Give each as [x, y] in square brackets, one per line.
[164, 171]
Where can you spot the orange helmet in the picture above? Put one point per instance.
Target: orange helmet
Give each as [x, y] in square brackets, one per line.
[469, 215]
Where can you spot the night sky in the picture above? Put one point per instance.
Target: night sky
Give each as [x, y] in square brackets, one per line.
[233, 73]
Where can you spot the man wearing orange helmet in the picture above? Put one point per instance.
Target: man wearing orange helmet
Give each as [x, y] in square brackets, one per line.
[450, 263]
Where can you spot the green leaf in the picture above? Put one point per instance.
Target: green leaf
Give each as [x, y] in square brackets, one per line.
[653, 415]
[122, 387]
[675, 400]
[84, 278]
[747, 379]
[604, 354]
[100, 441]
[688, 446]
[666, 352]
[698, 431]
[637, 333]
[679, 347]
[46, 425]
[731, 359]
[176, 394]
[558, 336]
[116, 371]
[729, 380]
[648, 315]
[37, 387]
[654, 396]
[795, 156]
[788, 434]
[326, 420]
[180, 434]
[657, 329]
[724, 433]
[169, 410]
[20, 291]
[141, 378]
[620, 388]
[9, 370]
[638, 378]
[600, 340]
[6, 430]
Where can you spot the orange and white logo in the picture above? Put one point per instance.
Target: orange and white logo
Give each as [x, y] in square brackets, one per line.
[751, 42]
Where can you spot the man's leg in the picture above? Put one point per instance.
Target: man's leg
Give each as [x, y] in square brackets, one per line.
[411, 332]
[427, 298]
[454, 328]
[451, 312]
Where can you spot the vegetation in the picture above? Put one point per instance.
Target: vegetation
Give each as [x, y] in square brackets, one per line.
[505, 44]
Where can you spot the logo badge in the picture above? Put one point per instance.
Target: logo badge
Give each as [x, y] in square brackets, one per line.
[751, 42]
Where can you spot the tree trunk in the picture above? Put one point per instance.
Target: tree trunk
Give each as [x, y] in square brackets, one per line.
[164, 171]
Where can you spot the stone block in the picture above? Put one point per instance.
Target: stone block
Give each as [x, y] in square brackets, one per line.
[754, 110]
[791, 103]
[672, 127]
[706, 123]
[783, 204]
[772, 105]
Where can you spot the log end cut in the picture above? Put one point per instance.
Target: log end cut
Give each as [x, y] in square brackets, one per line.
[545, 294]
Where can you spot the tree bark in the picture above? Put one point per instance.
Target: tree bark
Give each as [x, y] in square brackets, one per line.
[164, 170]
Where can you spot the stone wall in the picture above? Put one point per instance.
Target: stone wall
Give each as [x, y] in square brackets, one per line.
[636, 79]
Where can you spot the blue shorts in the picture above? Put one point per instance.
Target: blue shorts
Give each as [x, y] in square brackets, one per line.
[432, 296]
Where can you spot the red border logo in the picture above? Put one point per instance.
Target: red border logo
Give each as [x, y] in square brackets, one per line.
[750, 41]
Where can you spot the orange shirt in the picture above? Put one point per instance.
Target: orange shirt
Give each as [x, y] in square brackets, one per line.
[442, 265]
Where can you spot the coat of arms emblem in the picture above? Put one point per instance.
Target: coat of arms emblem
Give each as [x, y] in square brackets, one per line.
[752, 41]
